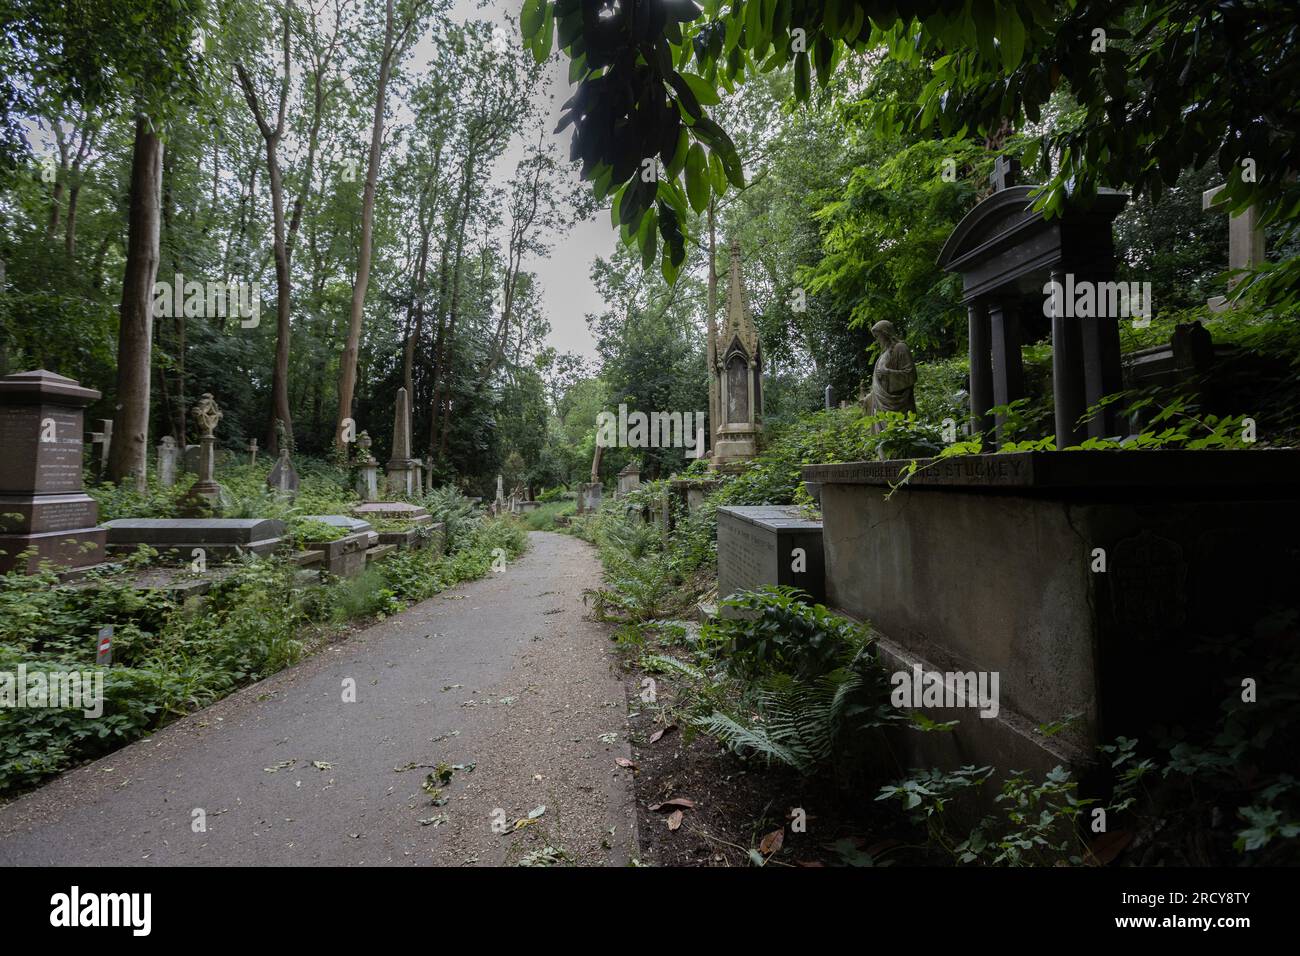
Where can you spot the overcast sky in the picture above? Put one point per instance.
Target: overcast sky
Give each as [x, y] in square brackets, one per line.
[565, 275]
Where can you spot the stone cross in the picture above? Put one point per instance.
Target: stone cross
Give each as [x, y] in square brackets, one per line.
[207, 414]
[1245, 240]
[205, 495]
[1005, 171]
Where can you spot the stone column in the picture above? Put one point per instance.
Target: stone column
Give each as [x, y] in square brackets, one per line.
[1008, 368]
[204, 496]
[981, 371]
[252, 451]
[1102, 374]
[1067, 374]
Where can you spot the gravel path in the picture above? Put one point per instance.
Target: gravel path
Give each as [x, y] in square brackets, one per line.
[502, 673]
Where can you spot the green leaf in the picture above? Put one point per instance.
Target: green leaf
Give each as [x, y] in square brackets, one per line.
[802, 80]
[530, 18]
[703, 89]
[698, 186]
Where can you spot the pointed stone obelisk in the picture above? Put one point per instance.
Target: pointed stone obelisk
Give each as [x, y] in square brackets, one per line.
[739, 374]
[402, 468]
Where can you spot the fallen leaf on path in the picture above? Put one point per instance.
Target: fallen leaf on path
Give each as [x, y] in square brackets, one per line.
[685, 802]
[624, 762]
[674, 820]
[772, 842]
[659, 733]
[437, 821]
[282, 765]
[322, 765]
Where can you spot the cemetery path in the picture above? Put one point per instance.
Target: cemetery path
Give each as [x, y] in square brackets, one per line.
[503, 673]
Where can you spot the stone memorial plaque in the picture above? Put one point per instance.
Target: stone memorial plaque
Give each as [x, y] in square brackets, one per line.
[769, 544]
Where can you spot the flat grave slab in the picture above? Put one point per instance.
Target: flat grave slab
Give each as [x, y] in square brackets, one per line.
[217, 536]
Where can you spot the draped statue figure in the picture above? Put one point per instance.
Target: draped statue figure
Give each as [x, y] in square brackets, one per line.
[893, 380]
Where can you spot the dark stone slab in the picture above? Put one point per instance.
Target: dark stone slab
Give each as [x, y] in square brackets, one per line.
[217, 536]
[757, 545]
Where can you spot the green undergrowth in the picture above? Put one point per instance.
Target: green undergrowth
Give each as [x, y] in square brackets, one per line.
[171, 658]
[785, 683]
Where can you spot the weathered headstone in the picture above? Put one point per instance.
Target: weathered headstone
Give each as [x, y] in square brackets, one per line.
[589, 494]
[190, 459]
[43, 509]
[252, 451]
[205, 495]
[1245, 241]
[402, 468]
[629, 479]
[168, 457]
[283, 479]
[104, 446]
[829, 397]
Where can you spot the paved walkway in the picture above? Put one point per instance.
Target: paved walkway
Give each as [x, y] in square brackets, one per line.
[502, 673]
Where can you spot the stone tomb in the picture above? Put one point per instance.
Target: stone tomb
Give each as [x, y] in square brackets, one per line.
[769, 544]
[988, 563]
[43, 510]
[219, 538]
[414, 519]
[344, 557]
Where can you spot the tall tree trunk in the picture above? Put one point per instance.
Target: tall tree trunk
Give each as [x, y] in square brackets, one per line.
[711, 330]
[70, 226]
[128, 454]
[352, 348]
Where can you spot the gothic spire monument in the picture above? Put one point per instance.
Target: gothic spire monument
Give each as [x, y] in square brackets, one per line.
[738, 371]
